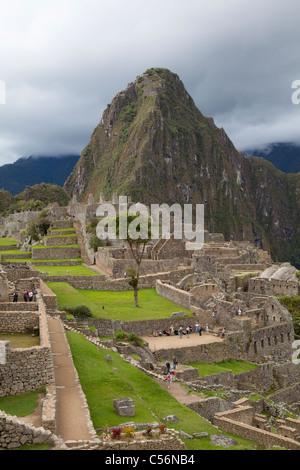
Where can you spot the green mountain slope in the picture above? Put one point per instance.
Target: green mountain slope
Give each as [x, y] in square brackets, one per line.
[154, 145]
[14, 177]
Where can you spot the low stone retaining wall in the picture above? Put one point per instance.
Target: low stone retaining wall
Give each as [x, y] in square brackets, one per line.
[171, 444]
[60, 240]
[210, 353]
[27, 369]
[265, 438]
[18, 322]
[61, 252]
[170, 292]
[256, 380]
[289, 395]
[15, 432]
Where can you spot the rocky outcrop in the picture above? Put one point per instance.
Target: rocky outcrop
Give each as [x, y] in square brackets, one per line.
[154, 145]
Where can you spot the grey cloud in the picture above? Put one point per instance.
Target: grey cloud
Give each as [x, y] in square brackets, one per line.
[63, 62]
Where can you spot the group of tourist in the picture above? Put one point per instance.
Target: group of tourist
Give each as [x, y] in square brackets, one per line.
[28, 296]
[184, 331]
[172, 331]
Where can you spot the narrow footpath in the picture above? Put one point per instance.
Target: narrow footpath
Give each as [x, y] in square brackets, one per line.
[73, 420]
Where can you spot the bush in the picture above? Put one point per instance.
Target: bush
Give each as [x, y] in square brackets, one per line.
[80, 311]
[116, 433]
[96, 242]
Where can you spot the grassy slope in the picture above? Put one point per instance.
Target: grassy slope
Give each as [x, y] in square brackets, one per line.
[101, 384]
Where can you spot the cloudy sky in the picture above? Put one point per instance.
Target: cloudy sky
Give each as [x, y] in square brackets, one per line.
[61, 63]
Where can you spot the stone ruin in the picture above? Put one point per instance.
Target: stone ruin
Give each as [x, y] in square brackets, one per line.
[216, 283]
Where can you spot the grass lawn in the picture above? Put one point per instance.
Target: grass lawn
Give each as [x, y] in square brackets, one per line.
[70, 229]
[20, 405]
[7, 241]
[14, 251]
[236, 367]
[67, 270]
[65, 260]
[20, 340]
[102, 384]
[43, 247]
[117, 305]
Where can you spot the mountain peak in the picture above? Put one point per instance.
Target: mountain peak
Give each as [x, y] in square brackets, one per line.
[154, 145]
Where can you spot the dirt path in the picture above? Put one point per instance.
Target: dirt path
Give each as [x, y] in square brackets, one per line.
[179, 392]
[72, 414]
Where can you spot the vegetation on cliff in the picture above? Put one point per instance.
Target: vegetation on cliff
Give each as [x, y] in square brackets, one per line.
[33, 198]
[154, 145]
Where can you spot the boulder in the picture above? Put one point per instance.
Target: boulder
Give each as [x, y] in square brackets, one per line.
[124, 406]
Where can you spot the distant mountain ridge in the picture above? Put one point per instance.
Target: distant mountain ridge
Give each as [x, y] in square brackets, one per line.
[284, 156]
[29, 171]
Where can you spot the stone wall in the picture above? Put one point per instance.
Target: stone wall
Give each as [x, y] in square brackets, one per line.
[60, 240]
[28, 369]
[274, 342]
[273, 287]
[241, 422]
[288, 395]
[56, 253]
[178, 296]
[109, 284]
[104, 260]
[15, 432]
[19, 322]
[209, 353]
[256, 380]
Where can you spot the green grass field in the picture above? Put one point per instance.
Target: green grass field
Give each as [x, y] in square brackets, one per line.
[7, 241]
[67, 271]
[117, 305]
[236, 367]
[20, 405]
[20, 340]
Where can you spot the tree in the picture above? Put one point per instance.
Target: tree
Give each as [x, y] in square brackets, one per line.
[137, 244]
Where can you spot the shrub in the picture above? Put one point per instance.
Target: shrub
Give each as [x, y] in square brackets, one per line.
[80, 311]
[96, 242]
[128, 430]
[148, 432]
[162, 429]
[116, 433]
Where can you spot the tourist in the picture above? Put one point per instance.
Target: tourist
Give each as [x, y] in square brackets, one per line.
[154, 333]
[168, 366]
[35, 292]
[30, 295]
[196, 328]
[160, 332]
[172, 375]
[223, 333]
[200, 330]
[206, 329]
[25, 295]
[172, 330]
[239, 311]
[213, 317]
[174, 362]
[168, 379]
[180, 332]
[188, 331]
[15, 296]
